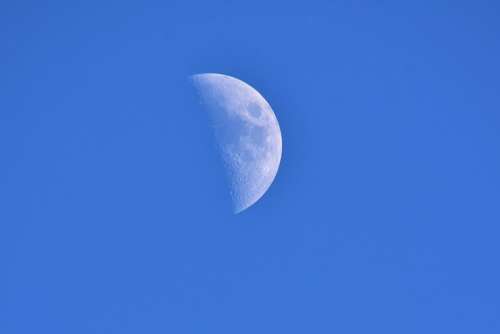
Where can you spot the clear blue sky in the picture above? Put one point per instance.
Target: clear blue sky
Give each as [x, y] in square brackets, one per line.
[384, 216]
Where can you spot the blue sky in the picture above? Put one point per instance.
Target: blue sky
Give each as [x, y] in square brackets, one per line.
[383, 217]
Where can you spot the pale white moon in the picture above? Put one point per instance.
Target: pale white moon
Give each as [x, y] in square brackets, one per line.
[247, 132]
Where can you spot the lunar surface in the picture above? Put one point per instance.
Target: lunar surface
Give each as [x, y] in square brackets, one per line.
[247, 133]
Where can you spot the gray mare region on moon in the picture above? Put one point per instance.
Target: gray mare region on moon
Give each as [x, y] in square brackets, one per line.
[247, 133]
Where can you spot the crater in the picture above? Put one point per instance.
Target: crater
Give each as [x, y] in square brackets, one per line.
[254, 110]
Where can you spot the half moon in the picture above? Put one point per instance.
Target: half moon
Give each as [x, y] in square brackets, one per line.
[247, 133]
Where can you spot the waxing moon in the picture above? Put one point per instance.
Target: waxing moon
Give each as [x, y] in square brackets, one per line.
[247, 133]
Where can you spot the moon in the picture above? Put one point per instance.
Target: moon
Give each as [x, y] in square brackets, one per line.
[247, 133]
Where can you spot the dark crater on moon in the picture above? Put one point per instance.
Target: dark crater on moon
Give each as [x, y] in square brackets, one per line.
[254, 110]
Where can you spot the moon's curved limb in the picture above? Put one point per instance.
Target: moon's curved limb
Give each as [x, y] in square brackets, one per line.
[247, 133]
